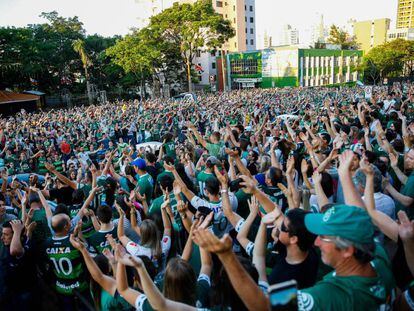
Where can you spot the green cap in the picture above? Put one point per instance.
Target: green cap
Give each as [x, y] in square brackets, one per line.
[345, 221]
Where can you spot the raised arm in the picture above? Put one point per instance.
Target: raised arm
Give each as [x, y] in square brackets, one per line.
[187, 192]
[387, 226]
[155, 298]
[351, 194]
[106, 282]
[61, 177]
[16, 247]
[259, 252]
[250, 186]
[198, 136]
[244, 231]
[248, 291]
[394, 165]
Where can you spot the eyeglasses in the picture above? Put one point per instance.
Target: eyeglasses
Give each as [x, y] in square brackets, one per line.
[339, 242]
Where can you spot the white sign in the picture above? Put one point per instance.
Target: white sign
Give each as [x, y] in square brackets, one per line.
[368, 92]
[154, 145]
[248, 80]
[288, 117]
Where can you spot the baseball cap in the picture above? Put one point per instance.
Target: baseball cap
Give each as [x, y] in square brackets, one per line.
[213, 160]
[140, 163]
[345, 221]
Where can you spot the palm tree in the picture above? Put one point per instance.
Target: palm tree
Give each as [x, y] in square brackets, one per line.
[79, 47]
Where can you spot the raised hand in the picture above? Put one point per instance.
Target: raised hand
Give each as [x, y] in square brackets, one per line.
[76, 242]
[253, 205]
[249, 184]
[366, 167]
[207, 240]
[304, 166]
[317, 177]
[393, 159]
[223, 179]
[109, 255]
[290, 165]
[345, 161]
[17, 226]
[405, 228]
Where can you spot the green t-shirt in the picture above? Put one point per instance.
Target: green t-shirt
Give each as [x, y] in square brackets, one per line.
[350, 292]
[109, 303]
[170, 149]
[407, 190]
[201, 180]
[68, 266]
[146, 186]
[97, 241]
[156, 208]
[41, 169]
[214, 149]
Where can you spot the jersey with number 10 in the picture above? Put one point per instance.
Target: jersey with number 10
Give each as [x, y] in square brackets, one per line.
[68, 266]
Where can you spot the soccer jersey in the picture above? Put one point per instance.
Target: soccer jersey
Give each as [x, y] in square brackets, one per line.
[97, 241]
[146, 186]
[67, 264]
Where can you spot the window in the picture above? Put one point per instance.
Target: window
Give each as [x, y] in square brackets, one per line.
[225, 15]
[219, 4]
[251, 19]
[251, 31]
[234, 20]
[200, 78]
[234, 8]
[198, 53]
[251, 8]
[225, 3]
[245, 7]
[213, 65]
[245, 19]
[243, 66]
[245, 30]
[235, 44]
[251, 42]
[247, 42]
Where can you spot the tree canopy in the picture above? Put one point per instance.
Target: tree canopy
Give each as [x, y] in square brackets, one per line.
[343, 38]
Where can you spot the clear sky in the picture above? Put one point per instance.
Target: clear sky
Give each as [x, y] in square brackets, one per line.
[109, 17]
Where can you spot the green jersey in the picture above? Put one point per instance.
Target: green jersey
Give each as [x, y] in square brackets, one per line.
[407, 190]
[67, 264]
[201, 180]
[156, 208]
[97, 241]
[146, 186]
[87, 225]
[170, 149]
[41, 169]
[214, 149]
[350, 292]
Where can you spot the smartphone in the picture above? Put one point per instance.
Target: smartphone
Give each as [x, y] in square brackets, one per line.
[284, 296]
[89, 162]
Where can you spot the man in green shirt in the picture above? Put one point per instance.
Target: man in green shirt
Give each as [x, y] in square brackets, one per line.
[67, 264]
[362, 279]
[145, 182]
[405, 198]
[97, 241]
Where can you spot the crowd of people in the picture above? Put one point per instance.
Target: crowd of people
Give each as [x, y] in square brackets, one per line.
[212, 203]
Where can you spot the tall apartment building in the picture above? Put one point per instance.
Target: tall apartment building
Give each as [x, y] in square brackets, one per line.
[371, 33]
[242, 15]
[405, 14]
[289, 36]
[267, 40]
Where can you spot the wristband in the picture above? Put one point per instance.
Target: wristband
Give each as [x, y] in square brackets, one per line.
[223, 191]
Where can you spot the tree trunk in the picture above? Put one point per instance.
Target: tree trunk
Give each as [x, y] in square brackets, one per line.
[189, 76]
[88, 87]
[142, 86]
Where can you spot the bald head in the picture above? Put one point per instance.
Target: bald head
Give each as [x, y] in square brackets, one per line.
[61, 223]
